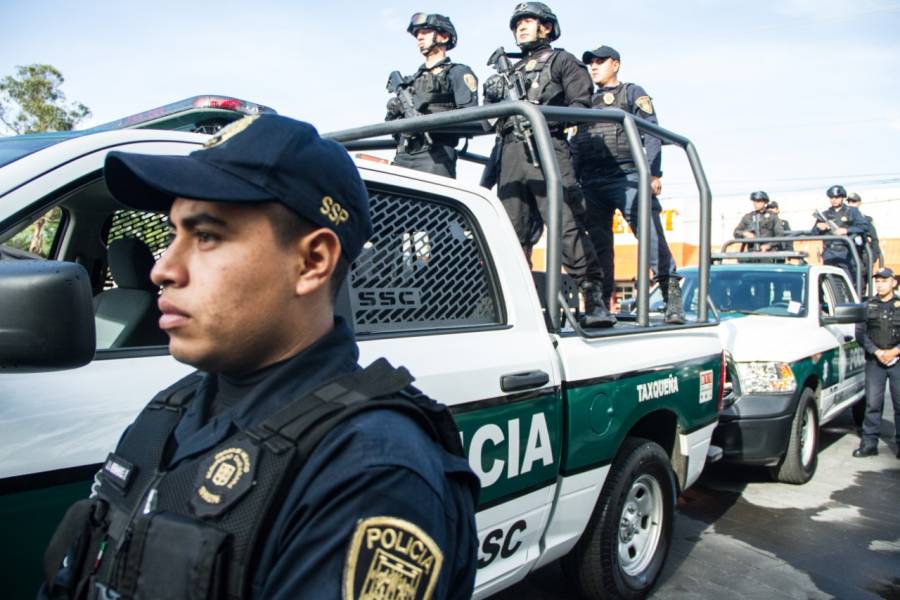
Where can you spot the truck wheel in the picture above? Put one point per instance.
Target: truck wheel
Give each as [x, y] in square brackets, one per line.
[858, 410]
[799, 462]
[622, 550]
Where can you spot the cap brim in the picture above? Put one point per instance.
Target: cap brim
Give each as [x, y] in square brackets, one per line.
[149, 182]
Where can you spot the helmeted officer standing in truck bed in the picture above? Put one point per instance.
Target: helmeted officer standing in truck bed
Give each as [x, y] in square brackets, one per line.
[553, 77]
[280, 469]
[609, 177]
[841, 219]
[759, 222]
[438, 85]
[879, 335]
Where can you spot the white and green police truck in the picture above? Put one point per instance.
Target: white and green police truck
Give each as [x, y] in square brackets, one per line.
[582, 440]
[793, 361]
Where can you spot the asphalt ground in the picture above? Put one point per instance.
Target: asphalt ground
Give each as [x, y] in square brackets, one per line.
[739, 535]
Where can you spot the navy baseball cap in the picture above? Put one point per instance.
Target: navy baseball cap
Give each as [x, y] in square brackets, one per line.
[885, 273]
[600, 52]
[260, 158]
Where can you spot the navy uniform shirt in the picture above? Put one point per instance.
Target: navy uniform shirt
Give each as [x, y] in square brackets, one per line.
[847, 217]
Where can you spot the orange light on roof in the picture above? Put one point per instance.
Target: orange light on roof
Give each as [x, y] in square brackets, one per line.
[378, 159]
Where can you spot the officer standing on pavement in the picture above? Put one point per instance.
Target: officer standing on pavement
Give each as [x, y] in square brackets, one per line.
[609, 178]
[760, 222]
[552, 77]
[280, 469]
[840, 220]
[439, 85]
[854, 200]
[879, 335]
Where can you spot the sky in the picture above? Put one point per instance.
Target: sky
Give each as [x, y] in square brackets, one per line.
[788, 96]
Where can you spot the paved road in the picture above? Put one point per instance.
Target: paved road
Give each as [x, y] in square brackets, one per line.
[738, 535]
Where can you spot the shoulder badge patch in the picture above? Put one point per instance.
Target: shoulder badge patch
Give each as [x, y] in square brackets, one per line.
[645, 104]
[230, 130]
[470, 82]
[844, 219]
[609, 98]
[530, 65]
[896, 303]
[390, 558]
[223, 478]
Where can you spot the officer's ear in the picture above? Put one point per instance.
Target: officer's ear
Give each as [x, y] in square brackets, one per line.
[615, 65]
[544, 30]
[318, 253]
[441, 38]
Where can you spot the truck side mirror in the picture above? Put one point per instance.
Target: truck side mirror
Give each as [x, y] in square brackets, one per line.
[46, 316]
[845, 313]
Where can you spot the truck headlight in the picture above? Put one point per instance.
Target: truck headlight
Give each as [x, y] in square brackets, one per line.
[761, 377]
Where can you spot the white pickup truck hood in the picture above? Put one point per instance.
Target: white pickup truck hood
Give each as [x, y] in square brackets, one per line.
[766, 338]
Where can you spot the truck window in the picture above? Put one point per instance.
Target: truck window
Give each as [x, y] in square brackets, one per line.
[148, 227]
[841, 288]
[425, 268]
[38, 239]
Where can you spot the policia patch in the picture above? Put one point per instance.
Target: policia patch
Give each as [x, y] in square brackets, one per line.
[390, 558]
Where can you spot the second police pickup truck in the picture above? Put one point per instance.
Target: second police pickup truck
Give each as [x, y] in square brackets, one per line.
[793, 362]
[582, 440]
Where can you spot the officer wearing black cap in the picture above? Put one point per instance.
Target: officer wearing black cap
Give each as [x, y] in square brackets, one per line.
[785, 227]
[280, 469]
[840, 219]
[438, 85]
[854, 200]
[879, 335]
[609, 177]
[760, 222]
[552, 77]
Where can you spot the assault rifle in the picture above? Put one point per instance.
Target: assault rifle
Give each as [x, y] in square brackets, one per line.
[515, 90]
[832, 226]
[399, 85]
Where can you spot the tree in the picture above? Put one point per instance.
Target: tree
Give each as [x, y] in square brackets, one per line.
[32, 101]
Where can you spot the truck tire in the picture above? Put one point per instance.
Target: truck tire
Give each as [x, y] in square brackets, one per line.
[802, 456]
[623, 549]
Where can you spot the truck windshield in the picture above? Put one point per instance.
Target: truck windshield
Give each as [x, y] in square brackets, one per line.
[776, 293]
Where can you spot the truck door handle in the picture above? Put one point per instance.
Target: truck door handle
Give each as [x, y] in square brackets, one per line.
[848, 338]
[514, 382]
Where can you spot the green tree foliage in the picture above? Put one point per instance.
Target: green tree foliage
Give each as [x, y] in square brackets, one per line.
[32, 101]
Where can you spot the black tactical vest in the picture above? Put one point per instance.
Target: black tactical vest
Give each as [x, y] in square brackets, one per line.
[433, 90]
[539, 84]
[883, 322]
[602, 148]
[194, 531]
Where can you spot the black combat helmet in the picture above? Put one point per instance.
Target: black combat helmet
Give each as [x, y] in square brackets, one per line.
[760, 195]
[837, 191]
[539, 11]
[437, 22]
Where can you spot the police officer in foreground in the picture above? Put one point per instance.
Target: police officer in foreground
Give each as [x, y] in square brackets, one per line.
[438, 85]
[840, 219]
[552, 77]
[609, 178]
[855, 200]
[280, 469]
[879, 335]
[760, 222]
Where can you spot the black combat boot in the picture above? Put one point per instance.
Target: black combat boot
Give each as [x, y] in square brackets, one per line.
[671, 293]
[596, 314]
